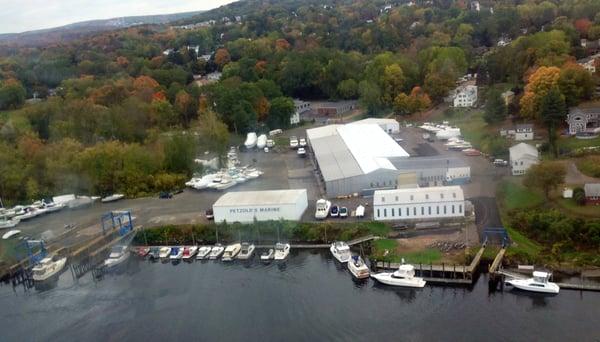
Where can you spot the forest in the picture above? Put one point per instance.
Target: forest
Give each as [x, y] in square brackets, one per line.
[121, 111]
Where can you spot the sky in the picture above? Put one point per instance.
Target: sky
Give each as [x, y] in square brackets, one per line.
[27, 15]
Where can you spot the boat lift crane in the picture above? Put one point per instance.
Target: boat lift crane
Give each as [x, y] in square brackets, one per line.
[117, 219]
[27, 247]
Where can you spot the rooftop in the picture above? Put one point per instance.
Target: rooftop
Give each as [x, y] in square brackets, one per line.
[524, 126]
[265, 197]
[592, 189]
[418, 195]
[523, 149]
[420, 163]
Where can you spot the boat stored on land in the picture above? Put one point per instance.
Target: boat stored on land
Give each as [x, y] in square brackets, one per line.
[282, 250]
[10, 234]
[48, 267]
[176, 253]
[322, 209]
[112, 198]
[358, 268]
[261, 141]
[203, 252]
[154, 253]
[118, 254]
[404, 276]
[8, 223]
[246, 251]
[216, 251]
[340, 250]
[231, 251]
[539, 283]
[250, 140]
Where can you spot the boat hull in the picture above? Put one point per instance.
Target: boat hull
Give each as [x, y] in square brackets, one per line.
[60, 265]
[387, 279]
[550, 288]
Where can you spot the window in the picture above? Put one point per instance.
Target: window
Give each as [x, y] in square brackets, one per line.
[460, 208]
[454, 194]
[422, 210]
[453, 208]
[382, 199]
[429, 211]
[438, 210]
[399, 211]
[442, 196]
[407, 211]
[378, 214]
[415, 211]
[384, 212]
[426, 196]
[396, 198]
[372, 185]
[393, 212]
[444, 209]
[412, 197]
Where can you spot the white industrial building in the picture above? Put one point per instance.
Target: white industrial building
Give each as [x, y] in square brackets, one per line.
[522, 157]
[248, 206]
[354, 158]
[388, 125]
[419, 203]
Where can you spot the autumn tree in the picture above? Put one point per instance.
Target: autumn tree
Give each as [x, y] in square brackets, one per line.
[575, 83]
[12, 94]
[545, 176]
[393, 82]
[538, 86]
[417, 101]
[222, 57]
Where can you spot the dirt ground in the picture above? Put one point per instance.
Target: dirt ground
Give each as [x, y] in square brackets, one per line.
[420, 243]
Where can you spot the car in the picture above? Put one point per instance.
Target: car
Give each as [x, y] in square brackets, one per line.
[302, 142]
[500, 162]
[301, 152]
[209, 214]
[165, 195]
[343, 212]
[335, 211]
[293, 142]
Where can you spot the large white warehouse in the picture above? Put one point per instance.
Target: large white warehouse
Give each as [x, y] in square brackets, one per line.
[247, 206]
[419, 203]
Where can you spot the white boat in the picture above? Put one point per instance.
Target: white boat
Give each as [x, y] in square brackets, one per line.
[118, 255]
[176, 253]
[268, 255]
[6, 222]
[322, 209]
[246, 251]
[282, 250]
[216, 251]
[189, 252]
[404, 276]
[539, 283]
[231, 251]
[250, 140]
[301, 152]
[10, 234]
[270, 143]
[293, 142]
[27, 213]
[225, 183]
[360, 211]
[112, 198]
[48, 267]
[358, 268]
[203, 252]
[53, 207]
[164, 252]
[447, 133]
[340, 250]
[261, 142]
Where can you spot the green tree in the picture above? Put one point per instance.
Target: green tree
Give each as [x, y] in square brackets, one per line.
[553, 111]
[579, 196]
[495, 108]
[180, 151]
[348, 89]
[12, 94]
[545, 176]
[280, 112]
[370, 96]
[214, 135]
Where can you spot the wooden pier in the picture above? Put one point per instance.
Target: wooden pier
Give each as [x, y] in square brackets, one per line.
[563, 286]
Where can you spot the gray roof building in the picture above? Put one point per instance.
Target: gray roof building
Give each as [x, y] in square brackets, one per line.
[592, 189]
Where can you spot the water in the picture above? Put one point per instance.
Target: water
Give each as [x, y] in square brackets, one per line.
[309, 298]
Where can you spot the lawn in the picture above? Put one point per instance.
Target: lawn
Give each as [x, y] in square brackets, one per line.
[572, 143]
[589, 165]
[569, 206]
[513, 195]
[426, 256]
[522, 247]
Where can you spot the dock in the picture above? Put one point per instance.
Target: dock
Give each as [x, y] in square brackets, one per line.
[563, 286]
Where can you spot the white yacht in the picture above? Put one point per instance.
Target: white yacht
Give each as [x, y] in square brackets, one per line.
[203, 252]
[48, 267]
[358, 268]
[112, 198]
[539, 283]
[268, 255]
[6, 222]
[246, 251]
[52, 207]
[282, 250]
[27, 213]
[261, 142]
[164, 252]
[340, 251]
[189, 252]
[250, 140]
[404, 276]
[216, 251]
[118, 254]
[231, 251]
[322, 209]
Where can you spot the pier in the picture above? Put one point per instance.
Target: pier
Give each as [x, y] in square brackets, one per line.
[563, 286]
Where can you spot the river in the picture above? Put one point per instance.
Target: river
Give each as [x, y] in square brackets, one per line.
[308, 298]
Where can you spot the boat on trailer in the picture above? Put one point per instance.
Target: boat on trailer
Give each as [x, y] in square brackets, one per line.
[48, 267]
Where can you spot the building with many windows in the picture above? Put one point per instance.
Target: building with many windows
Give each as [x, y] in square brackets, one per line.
[522, 157]
[419, 203]
[466, 96]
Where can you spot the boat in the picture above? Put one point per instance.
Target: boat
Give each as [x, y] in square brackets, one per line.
[539, 283]
[189, 252]
[80, 201]
[203, 252]
[142, 251]
[231, 251]
[335, 211]
[10, 234]
[471, 152]
[270, 142]
[250, 140]
[154, 253]
[261, 142]
[216, 251]
[268, 255]
[53, 207]
[164, 252]
[27, 213]
[117, 256]
[176, 253]
[282, 250]
[48, 267]
[322, 209]
[6, 222]
[404, 276]
[112, 198]
[360, 211]
[246, 251]
[293, 142]
[340, 250]
[358, 268]
[225, 183]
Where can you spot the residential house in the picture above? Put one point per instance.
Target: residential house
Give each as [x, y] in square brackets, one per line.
[522, 157]
[589, 63]
[584, 120]
[299, 108]
[591, 46]
[466, 96]
[508, 97]
[592, 193]
[524, 132]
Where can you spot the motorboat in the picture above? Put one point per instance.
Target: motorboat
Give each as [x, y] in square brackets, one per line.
[154, 253]
[164, 252]
[343, 212]
[335, 211]
[471, 152]
[358, 268]
[216, 251]
[203, 252]
[6, 222]
[360, 211]
[250, 140]
[404, 276]
[322, 209]
[282, 250]
[176, 253]
[246, 251]
[539, 283]
[48, 267]
[268, 255]
[301, 152]
[340, 250]
[225, 183]
[10, 234]
[302, 142]
[448, 132]
[189, 252]
[142, 251]
[293, 142]
[27, 213]
[53, 207]
[231, 251]
[112, 198]
[261, 141]
[118, 254]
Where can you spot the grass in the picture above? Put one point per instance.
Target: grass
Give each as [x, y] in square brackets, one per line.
[513, 195]
[572, 143]
[589, 165]
[426, 256]
[522, 246]
[569, 206]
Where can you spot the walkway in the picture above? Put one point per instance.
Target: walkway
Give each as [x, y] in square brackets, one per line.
[574, 176]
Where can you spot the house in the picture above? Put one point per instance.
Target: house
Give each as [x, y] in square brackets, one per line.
[418, 203]
[465, 96]
[508, 97]
[591, 45]
[584, 120]
[592, 193]
[299, 108]
[589, 63]
[522, 157]
[524, 132]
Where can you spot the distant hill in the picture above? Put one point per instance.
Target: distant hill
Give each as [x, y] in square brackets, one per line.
[80, 29]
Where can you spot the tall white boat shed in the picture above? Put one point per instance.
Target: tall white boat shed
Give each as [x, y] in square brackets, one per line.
[419, 203]
[247, 206]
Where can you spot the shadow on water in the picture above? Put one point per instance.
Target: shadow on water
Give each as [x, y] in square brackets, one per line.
[406, 294]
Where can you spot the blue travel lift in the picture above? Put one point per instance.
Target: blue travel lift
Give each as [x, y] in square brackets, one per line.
[117, 219]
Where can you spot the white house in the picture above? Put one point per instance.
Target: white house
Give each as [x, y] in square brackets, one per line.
[524, 132]
[522, 156]
[589, 63]
[299, 108]
[418, 203]
[466, 96]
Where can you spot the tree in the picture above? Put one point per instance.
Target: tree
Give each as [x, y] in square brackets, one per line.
[495, 108]
[370, 96]
[393, 82]
[545, 176]
[348, 89]
[12, 94]
[538, 86]
[575, 83]
[280, 112]
[222, 57]
[553, 111]
[180, 151]
[579, 196]
[214, 135]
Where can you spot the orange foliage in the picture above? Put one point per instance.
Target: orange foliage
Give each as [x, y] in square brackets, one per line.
[583, 25]
[145, 82]
[262, 108]
[538, 85]
[122, 61]
[159, 96]
[282, 45]
[222, 57]
[261, 67]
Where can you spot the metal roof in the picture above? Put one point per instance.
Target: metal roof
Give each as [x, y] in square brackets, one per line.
[520, 150]
[418, 195]
[592, 189]
[265, 197]
[334, 158]
[422, 163]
